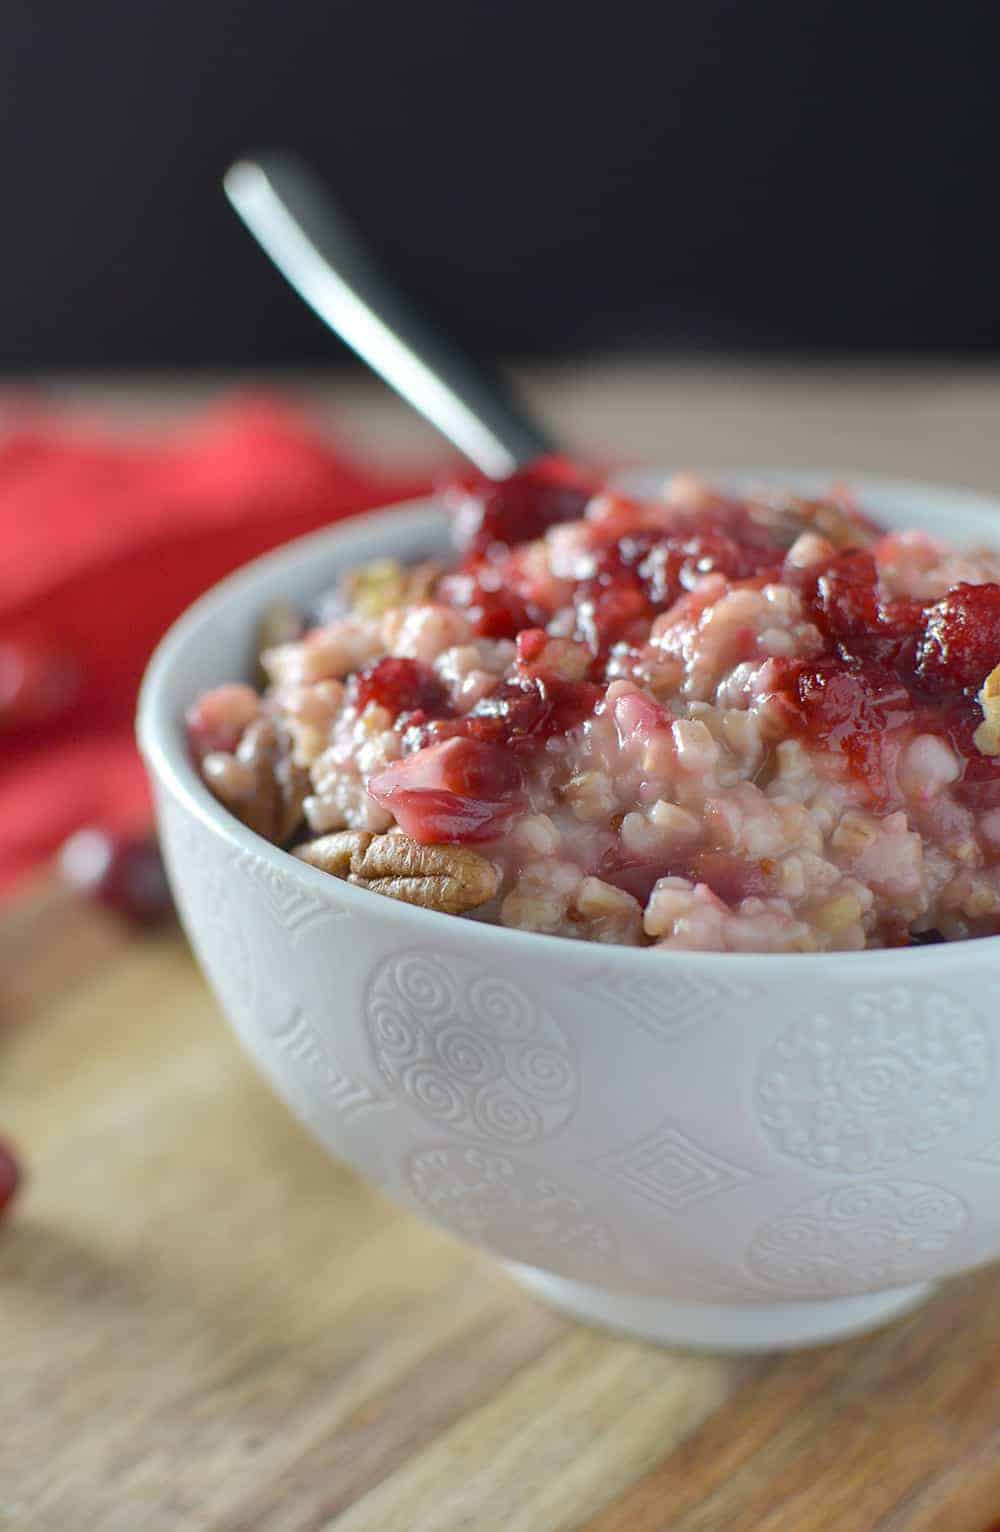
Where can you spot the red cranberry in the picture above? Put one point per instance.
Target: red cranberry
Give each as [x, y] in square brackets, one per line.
[531, 643]
[517, 714]
[846, 603]
[610, 613]
[675, 566]
[513, 711]
[961, 639]
[495, 515]
[633, 875]
[642, 571]
[124, 873]
[980, 793]
[477, 770]
[851, 708]
[10, 1177]
[847, 606]
[612, 602]
[493, 609]
[662, 569]
[402, 686]
[979, 788]
[731, 878]
[536, 707]
[458, 790]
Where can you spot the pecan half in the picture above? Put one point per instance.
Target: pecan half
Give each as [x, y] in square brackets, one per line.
[450, 879]
[260, 783]
[335, 853]
[987, 736]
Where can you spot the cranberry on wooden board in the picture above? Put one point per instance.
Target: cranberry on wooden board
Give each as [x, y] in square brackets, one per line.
[10, 1177]
[123, 873]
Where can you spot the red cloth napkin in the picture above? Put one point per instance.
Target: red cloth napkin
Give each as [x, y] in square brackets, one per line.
[103, 541]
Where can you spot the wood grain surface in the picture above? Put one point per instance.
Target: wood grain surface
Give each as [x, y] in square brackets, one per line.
[205, 1323]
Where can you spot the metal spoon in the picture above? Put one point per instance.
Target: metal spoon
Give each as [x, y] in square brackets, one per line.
[293, 217]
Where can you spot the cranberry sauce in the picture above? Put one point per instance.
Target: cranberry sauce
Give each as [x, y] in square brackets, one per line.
[402, 686]
[891, 666]
[491, 516]
[888, 668]
[731, 878]
[456, 790]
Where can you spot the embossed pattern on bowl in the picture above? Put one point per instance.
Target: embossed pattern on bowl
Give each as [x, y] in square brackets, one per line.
[732, 1136]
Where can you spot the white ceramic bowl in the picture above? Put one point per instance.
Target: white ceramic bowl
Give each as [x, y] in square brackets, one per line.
[705, 1149]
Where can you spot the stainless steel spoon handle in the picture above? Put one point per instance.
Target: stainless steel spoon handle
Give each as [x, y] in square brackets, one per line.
[293, 217]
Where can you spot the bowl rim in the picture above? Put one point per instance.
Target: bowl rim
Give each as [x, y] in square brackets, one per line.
[161, 744]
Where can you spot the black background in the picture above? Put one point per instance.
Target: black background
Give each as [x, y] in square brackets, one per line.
[761, 174]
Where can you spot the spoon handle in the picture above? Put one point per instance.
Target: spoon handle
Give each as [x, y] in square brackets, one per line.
[296, 221]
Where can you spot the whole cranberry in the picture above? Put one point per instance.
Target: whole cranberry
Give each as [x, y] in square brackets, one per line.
[124, 873]
[851, 708]
[493, 515]
[606, 614]
[960, 644]
[847, 596]
[493, 609]
[403, 686]
[10, 1177]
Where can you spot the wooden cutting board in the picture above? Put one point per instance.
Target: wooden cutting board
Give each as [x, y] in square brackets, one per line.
[205, 1323]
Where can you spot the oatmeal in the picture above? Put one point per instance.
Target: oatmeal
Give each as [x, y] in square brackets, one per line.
[692, 721]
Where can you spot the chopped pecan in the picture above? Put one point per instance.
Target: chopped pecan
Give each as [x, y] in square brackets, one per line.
[451, 879]
[987, 736]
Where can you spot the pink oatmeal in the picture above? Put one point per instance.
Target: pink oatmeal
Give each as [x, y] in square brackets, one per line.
[695, 721]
